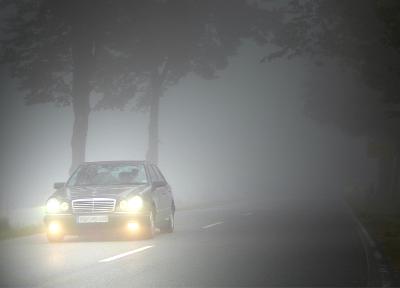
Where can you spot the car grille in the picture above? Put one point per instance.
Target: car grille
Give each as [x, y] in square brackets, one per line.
[93, 205]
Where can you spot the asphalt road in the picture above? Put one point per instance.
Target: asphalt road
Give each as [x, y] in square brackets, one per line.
[289, 241]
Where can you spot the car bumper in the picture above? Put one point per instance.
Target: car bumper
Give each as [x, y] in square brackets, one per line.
[117, 222]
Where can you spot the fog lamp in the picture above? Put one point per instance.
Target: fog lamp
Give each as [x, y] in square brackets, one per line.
[54, 228]
[133, 226]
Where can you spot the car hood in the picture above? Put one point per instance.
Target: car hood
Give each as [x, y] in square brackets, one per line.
[115, 192]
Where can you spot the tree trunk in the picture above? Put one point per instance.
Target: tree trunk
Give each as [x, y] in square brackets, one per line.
[82, 54]
[79, 133]
[152, 150]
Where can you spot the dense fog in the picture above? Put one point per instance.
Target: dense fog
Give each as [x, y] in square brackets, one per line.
[232, 99]
[242, 134]
[275, 124]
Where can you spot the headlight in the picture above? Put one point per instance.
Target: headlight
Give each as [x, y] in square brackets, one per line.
[134, 204]
[64, 206]
[55, 206]
[123, 205]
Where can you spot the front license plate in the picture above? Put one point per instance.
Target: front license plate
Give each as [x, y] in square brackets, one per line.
[92, 219]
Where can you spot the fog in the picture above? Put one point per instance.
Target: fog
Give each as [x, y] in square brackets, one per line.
[275, 124]
[243, 134]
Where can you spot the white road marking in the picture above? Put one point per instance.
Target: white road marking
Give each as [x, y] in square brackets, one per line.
[211, 225]
[126, 254]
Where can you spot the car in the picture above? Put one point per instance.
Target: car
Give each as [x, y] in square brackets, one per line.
[128, 198]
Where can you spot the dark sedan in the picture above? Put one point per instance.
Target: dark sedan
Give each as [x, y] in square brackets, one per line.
[129, 198]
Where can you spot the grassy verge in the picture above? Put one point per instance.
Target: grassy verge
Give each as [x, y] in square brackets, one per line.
[383, 226]
[6, 231]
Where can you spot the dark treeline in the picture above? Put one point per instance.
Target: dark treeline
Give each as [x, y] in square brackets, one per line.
[62, 51]
[363, 36]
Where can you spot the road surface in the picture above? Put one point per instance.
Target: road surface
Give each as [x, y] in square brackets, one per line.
[311, 241]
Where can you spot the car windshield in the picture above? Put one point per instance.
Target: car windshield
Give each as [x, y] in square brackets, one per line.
[109, 174]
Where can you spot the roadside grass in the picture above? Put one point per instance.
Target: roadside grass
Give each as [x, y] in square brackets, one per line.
[385, 229]
[7, 232]
[383, 226]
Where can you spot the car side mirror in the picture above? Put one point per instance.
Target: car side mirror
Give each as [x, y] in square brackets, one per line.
[59, 185]
[159, 184]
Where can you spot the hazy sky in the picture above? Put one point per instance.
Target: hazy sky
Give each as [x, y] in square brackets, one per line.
[245, 131]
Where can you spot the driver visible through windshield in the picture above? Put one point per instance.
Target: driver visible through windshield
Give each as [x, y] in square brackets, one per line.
[109, 174]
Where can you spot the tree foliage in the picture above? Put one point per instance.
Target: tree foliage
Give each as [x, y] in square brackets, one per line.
[362, 35]
[61, 51]
[359, 34]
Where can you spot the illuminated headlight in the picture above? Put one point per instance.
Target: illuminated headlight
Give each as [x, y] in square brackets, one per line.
[134, 204]
[123, 205]
[64, 206]
[55, 206]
